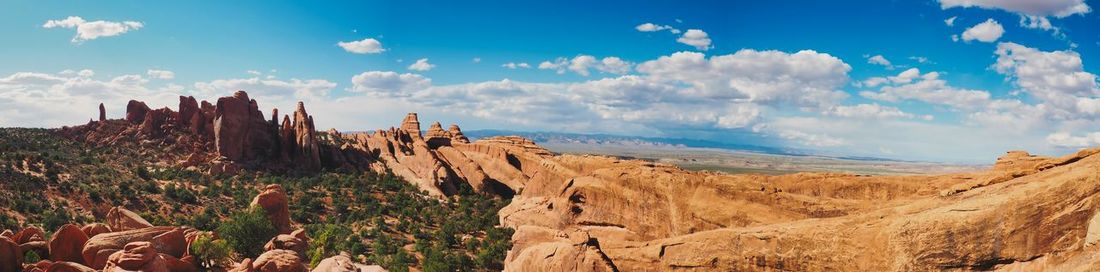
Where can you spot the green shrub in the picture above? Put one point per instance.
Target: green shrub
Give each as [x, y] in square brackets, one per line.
[247, 232]
[210, 252]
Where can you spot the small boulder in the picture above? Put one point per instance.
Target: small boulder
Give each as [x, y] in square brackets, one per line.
[28, 234]
[338, 263]
[121, 219]
[279, 260]
[288, 242]
[39, 247]
[69, 267]
[66, 244]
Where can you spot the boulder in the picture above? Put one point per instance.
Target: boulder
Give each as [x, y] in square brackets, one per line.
[7, 233]
[39, 266]
[135, 111]
[185, 264]
[154, 121]
[136, 256]
[69, 267]
[279, 260]
[29, 234]
[39, 247]
[244, 266]
[273, 200]
[95, 228]
[66, 244]
[11, 258]
[338, 263]
[288, 242]
[120, 219]
[168, 240]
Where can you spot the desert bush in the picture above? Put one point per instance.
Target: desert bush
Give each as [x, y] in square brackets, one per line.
[210, 252]
[247, 232]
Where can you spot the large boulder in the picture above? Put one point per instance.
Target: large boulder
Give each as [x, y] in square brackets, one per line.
[288, 242]
[29, 234]
[120, 219]
[136, 256]
[338, 263]
[11, 258]
[273, 201]
[168, 240]
[279, 260]
[66, 244]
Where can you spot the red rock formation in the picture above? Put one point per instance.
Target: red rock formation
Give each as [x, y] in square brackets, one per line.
[66, 243]
[102, 113]
[188, 108]
[95, 228]
[69, 267]
[231, 121]
[154, 121]
[29, 234]
[411, 126]
[135, 111]
[307, 153]
[288, 242]
[274, 202]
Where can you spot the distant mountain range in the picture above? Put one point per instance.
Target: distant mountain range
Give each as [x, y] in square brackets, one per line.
[563, 138]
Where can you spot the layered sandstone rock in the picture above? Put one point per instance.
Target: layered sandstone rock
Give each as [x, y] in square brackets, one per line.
[135, 111]
[136, 256]
[11, 259]
[120, 219]
[168, 240]
[279, 260]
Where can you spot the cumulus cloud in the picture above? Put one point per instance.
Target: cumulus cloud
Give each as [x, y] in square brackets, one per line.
[514, 65]
[696, 38]
[386, 83]
[160, 74]
[583, 64]
[364, 46]
[421, 65]
[1056, 8]
[86, 31]
[988, 31]
[912, 85]
[1057, 78]
[650, 27]
[267, 88]
[1067, 140]
[880, 60]
[68, 98]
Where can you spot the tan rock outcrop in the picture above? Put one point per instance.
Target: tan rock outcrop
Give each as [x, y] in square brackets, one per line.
[273, 201]
[279, 260]
[288, 242]
[66, 244]
[231, 125]
[342, 263]
[456, 135]
[411, 126]
[120, 219]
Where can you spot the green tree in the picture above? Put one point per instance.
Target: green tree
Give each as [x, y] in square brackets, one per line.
[247, 231]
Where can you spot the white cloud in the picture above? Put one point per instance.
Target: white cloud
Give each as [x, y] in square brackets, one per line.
[1036, 22]
[1056, 78]
[160, 74]
[513, 65]
[1067, 140]
[385, 83]
[912, 85]
[477, 60]
[650, 27]
[54, 100]
[1056, 8]
[818, 140]
[697, 38]
[920, 59]
[86, 31]
[988, 31]
[364, 46]
[267, 88]
[421, 65]
[880, 60]
[582, 64]
[950, 21]
[869, 111]
[253, 72]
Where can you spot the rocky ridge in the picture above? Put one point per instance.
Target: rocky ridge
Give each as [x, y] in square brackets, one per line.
[597, 213]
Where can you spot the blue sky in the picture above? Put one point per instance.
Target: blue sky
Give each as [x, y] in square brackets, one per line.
[810, 75]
